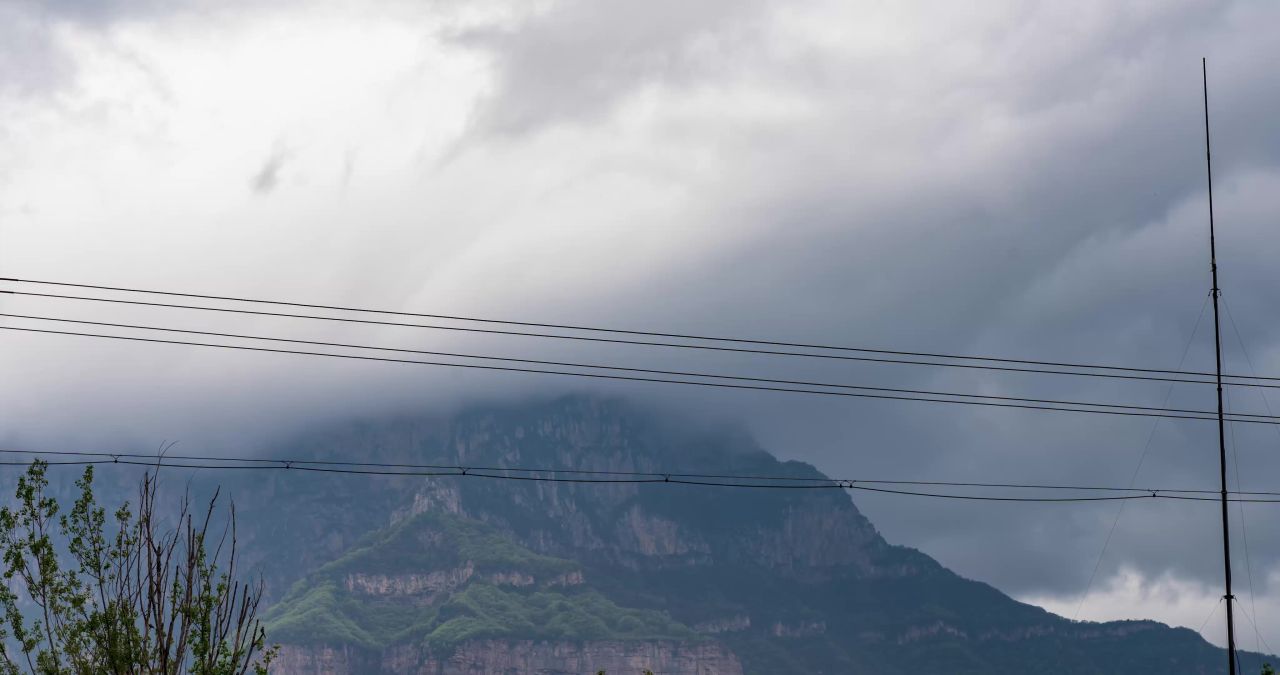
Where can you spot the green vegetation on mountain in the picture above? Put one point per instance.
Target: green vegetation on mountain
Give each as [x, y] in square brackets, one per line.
[484, 611]
[486, 587]
[437, 541]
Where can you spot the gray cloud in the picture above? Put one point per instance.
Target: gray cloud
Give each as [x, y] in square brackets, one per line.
[578, 60]
[29, 61]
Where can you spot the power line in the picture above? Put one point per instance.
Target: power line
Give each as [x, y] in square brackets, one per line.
[656, 476]
[674, 345]
[618, 331]
[212, 463]
[1170, 413]
[651, 371]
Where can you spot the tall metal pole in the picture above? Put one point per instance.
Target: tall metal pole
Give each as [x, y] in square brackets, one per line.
[1217, 350]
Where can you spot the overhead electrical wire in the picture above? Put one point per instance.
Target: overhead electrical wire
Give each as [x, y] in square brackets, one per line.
[1184, 375]
[597, 472]
[601, 472]
[651, 371]
[620, 331]
[1165, 412]
[612, 477]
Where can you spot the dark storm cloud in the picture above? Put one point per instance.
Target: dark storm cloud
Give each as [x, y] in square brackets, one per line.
[1079, 235]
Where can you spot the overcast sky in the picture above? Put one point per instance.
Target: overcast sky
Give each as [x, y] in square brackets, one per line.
[1011, 178]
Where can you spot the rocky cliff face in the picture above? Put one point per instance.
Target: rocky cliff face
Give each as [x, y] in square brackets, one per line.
[646, 526]
[516, 656]
[436, 592]
[324, 660]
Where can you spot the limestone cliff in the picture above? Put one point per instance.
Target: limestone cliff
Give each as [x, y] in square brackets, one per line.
[515, 656]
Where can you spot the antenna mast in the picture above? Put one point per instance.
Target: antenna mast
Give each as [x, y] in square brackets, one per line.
[1217, 349]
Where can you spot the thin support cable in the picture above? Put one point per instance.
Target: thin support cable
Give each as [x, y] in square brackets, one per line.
[1146, 448]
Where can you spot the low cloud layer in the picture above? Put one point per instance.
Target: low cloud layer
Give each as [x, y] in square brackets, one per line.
[1019, 179]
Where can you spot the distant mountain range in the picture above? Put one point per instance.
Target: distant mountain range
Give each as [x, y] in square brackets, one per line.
[436, 575]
